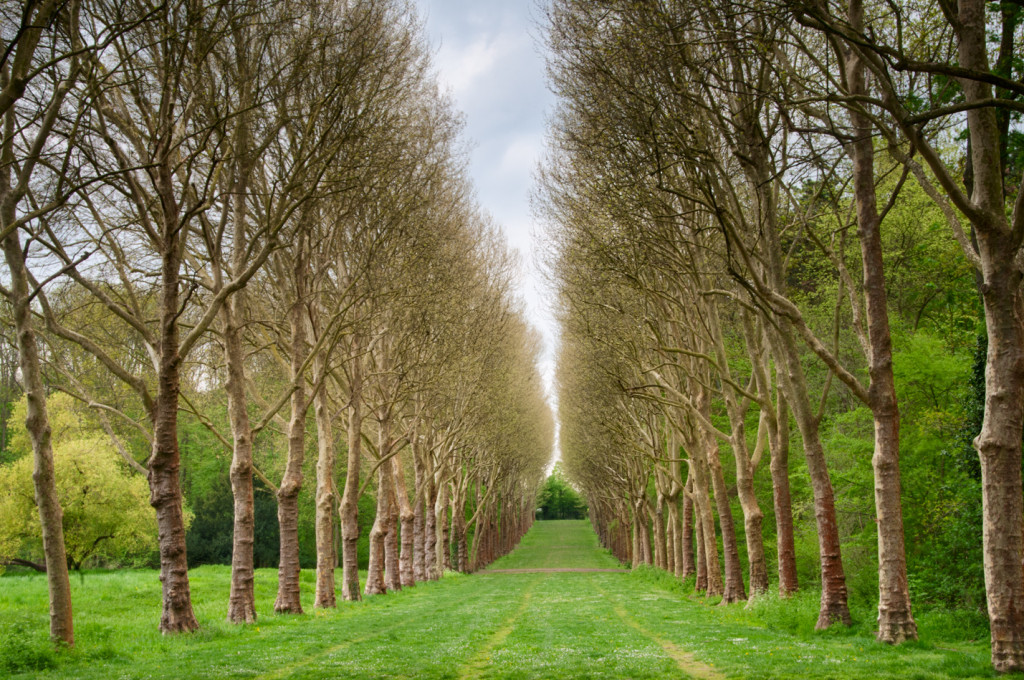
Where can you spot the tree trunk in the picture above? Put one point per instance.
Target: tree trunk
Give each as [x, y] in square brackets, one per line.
[242, 600]
[689, 566]
[676, 542]
[288, 572]
[37, 424]
[701, 574]
[778, 449]
[419, 563]
[164, 463]
[440, 532]
[660, 540]
[375, 571]
[705, 518]
[460, 528]
[378, 579]
[999, 448]
[753, 517]
[349, 510]
[733, 590]
[999, 442]
[895, 621]
[834, 607]
[408, 532]
[326, 497]
[430, 528]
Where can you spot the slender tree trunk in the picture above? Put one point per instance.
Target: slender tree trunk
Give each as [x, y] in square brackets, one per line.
[689, 566]
[676, 540]
[778, 447]
[895, 621]
[349, 510]
[288, 572]
[999, 448]
[326, 497]
[660, 540]
[701, 583]
[375, 584]
[377, 576]
[999, 442]
[460, 528]
[446, 529]
[708, 546]
[440, 533]
[733, 590]
[635, 552]
[834, 607]
[736, 408]
[419, 521]
[753, 517]
[392, 579]
[165, 461]
[430, 529]
[408, 532]
[37, 423]
[242, 600]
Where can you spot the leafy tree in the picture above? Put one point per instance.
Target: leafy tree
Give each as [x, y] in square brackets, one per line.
[107, 517]
[558, 500]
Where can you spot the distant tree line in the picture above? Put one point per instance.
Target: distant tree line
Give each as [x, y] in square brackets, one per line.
[558, 500]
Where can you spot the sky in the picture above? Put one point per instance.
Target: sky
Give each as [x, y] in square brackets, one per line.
[488, 54]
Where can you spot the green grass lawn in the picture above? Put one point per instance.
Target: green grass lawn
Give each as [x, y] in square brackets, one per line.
[528, 625]
[556, 544]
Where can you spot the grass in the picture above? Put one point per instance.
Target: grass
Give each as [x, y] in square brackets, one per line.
[526, 625]
[558, 544]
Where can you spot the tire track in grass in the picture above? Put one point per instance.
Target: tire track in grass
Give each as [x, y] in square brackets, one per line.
[407, 622]
[480, 661]
[686, 661]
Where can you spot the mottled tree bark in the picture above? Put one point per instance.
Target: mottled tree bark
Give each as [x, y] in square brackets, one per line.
[430, 528]
[999, 448]
[689, 566]
[778, 448]
[440, 532]
[834, 607]
[419, 521]
[460, 529]
[37, 423]
[407, 518]
[349, 510]
[326, 497]
[660, 539]
[701, 582]
[382, 571]
[895, 621]
[733, 590]
[164, 462]
[288, 600]
[242, 600]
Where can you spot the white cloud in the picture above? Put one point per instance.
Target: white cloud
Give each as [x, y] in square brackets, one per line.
[460, 67]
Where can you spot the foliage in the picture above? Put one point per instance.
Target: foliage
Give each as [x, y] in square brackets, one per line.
[558, 500]
[107, 516]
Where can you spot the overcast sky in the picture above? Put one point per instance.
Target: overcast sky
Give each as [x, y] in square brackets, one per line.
[488, 53]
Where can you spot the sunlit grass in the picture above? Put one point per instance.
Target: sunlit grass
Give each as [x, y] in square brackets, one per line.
[533, 625]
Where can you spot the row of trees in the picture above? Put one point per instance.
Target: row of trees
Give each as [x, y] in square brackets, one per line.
[758, 209]
[255, 213]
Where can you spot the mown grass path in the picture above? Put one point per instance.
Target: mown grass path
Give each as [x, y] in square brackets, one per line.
[533, 624]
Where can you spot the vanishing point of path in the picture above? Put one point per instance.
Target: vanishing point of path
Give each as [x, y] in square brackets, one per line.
[557, 607]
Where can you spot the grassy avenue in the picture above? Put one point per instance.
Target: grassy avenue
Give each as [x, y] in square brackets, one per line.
[530, 624]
